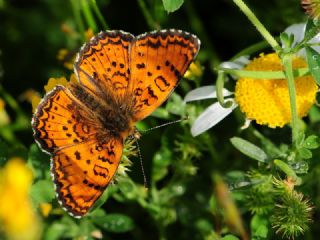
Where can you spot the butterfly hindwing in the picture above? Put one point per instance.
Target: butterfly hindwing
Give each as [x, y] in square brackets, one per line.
[82, 172]
[158, 60]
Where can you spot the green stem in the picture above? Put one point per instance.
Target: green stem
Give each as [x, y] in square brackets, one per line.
[219, 86]
[99, 14]
[257, 47]
[150, 21]
[287, 63]
[285, 168]
[77, 16]
[259, 26]
[88, 15]
[300, 72]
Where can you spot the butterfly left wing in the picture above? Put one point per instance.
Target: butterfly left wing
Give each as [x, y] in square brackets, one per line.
[158, 60]
[82, 172]
[85, 156]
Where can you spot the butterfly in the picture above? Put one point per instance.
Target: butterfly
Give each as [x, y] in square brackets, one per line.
[122, 79]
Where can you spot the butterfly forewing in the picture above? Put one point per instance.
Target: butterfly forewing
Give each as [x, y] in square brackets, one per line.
[103, 63]
[158, 61]
[61, 120]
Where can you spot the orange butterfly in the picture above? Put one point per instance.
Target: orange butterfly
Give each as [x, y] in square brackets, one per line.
[122, 80]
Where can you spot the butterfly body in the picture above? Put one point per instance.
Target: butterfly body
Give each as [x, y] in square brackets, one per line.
[122, 80]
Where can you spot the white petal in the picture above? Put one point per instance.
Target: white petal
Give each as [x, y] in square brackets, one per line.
[297, 30]
[210, 117]
[238, 63]
[204, 92]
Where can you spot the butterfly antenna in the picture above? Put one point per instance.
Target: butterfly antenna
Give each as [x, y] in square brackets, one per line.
[141, 163]
[165, 124]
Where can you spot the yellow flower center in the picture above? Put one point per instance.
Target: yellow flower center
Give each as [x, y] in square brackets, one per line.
[267, 100]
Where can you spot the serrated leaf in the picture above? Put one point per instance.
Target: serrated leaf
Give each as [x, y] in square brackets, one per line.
[249, 149]
[313, 59]
[117, 223]
[172, 5]
[312, 142]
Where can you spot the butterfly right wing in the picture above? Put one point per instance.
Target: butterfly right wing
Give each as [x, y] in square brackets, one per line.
[158, 60]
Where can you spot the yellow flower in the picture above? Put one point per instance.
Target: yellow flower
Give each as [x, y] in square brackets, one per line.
[52, 82]
[266, 100]
[45, 209]
[194, 70]
[66, 57]
[17, 217]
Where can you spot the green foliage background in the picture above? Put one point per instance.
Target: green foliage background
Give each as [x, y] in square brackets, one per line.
[180, 202]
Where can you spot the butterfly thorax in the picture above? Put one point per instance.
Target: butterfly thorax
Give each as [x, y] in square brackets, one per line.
[114, 118]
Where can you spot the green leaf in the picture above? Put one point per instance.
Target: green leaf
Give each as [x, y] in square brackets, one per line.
[301, 167]
[305, 153]
[161, 161]
[101, 200]
[116, 223]
[161, 113]
[55, 231]
[312, 29]
[286, 39]
[312, 142]
[172, 5]
[229, 237]
[42, 192]
[313, 60]
[259, 227]
[285, 168]
[176, 105]
[249, 149]
[39, 161]
[314, 114]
